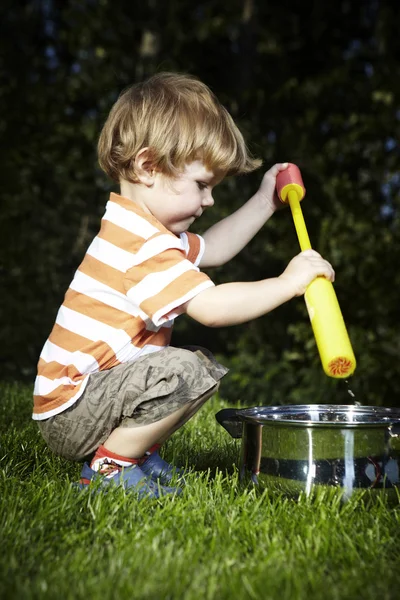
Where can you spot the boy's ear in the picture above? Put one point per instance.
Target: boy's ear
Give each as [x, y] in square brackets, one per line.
[144, 167]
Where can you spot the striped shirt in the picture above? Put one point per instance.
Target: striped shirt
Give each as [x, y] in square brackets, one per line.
[120, 305]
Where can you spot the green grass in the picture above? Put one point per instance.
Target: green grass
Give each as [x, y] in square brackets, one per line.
[219, 540]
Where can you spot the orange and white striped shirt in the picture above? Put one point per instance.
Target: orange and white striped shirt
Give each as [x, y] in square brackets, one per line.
[120, 305]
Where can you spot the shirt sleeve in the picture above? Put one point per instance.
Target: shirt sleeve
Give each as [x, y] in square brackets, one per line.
[194, 246]
[166, 278]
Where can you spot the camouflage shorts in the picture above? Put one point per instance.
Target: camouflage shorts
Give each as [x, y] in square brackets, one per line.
[131, 395]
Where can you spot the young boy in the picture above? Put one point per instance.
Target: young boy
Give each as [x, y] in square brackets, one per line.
[109, 385]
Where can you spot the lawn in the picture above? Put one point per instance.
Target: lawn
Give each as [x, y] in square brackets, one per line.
[219, 540]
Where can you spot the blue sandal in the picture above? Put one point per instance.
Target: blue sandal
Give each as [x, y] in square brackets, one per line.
[133, 479]
[159, 469]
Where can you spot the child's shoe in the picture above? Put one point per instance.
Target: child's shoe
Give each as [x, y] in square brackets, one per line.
[131, 478]
[158, 469]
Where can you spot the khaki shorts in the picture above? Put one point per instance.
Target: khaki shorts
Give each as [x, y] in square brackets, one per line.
[131, 395]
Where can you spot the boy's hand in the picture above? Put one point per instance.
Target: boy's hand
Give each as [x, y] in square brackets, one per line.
[267, 189]
[304, 268]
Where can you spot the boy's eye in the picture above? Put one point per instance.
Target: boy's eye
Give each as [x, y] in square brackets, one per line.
[201, 185]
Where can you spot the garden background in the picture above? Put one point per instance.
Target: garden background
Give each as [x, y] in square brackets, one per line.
[311, 82]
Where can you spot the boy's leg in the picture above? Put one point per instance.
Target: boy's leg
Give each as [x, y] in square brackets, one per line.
[192, 410]
[133, 442]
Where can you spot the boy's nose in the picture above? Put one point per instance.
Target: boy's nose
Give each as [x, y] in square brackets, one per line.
[208, 200]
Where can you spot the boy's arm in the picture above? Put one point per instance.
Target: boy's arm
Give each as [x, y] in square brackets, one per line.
[230, 235]
[239, 302]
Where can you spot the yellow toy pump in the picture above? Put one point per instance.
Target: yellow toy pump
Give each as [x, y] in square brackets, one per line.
[330, 331]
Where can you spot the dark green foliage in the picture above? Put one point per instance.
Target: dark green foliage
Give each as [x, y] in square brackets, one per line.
[316, 83]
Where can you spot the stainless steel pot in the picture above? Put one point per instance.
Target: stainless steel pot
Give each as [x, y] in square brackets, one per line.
[301, 448]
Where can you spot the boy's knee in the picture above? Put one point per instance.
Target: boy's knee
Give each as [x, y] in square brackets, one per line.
[184, 360]
[189, 366]
[200, 351]
[196, 364]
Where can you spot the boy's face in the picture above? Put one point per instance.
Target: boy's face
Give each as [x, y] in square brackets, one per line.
[177, 203]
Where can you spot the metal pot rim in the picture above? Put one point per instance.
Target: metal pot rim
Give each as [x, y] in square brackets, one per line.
[321, 415]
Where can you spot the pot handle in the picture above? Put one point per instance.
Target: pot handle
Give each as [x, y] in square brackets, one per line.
[394, 437]
[230, 420]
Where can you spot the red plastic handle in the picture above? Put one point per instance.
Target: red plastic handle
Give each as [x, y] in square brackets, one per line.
[291, 175]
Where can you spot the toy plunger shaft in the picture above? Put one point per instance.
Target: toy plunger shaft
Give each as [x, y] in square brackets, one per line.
[299, 222]
[326, 318]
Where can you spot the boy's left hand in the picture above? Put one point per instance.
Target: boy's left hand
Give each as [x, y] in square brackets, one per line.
[267, 189]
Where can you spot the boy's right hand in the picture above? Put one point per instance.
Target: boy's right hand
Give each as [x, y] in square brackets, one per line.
[304, 268]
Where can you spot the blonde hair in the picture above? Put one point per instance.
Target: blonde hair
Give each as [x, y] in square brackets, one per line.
[180, 120]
